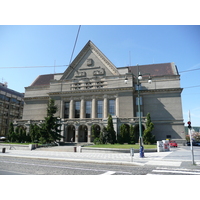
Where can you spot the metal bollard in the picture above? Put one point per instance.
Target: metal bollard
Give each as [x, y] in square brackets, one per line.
[141, 152]
[3, 150]
[74, 149]
[131, 153]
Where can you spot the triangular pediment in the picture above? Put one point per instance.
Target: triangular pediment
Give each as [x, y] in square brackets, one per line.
[89, 63]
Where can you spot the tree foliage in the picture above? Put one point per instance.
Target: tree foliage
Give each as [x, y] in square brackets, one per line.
[17, 135]
[110, 130]
[148, 137]
[46, 132]
[50, 128]
[124, 135]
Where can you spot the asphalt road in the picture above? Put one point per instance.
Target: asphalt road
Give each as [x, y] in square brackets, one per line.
[18, 166]
[27, 166]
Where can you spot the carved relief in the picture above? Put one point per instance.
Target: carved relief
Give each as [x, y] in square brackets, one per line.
[80, 74]
[90, 62]
[99, 72]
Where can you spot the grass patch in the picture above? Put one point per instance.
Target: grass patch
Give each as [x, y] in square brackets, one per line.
[122, 146]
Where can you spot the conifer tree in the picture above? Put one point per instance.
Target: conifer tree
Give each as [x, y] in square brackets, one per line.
[10, 132]
[148, 138]
[50, 131]
[111, 131]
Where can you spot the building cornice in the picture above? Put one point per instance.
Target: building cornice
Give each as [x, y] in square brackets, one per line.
[164, 90]
[91, 91]
[36, 98]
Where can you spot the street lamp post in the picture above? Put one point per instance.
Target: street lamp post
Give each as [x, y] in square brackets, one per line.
[139, 78]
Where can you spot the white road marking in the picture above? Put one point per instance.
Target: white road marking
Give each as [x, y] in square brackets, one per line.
[179, 169]
[108, 173]
[164, 163]
[176, 172]
[163, 170]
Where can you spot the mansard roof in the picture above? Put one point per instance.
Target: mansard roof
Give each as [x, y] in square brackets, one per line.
[78, 69]
[162, 69]
[43, 80]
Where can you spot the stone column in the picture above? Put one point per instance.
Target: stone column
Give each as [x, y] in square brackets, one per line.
[76, 134]
[71, 112]
[93, 107]
[105, 107]
[61, 109]
[82, 109]
[89, 135]
[117, 105]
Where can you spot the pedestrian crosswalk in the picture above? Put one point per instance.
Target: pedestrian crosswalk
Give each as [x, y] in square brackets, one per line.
[174, 171]
[164, 163]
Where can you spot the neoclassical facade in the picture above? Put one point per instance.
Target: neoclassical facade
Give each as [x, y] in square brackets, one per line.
[93, 87]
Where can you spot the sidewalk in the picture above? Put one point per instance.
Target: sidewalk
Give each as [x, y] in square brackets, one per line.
[155, 158]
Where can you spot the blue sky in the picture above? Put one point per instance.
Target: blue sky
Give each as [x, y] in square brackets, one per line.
[24, 46]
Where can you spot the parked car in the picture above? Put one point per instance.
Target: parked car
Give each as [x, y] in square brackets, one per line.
[2, 139]
[194, 143]
[173, 144]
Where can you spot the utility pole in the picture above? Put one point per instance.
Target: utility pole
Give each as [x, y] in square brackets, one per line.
[191, 145]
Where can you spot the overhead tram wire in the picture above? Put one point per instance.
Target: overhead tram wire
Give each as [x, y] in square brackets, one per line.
[70, 62]
[191, 86]
[54, 65]
[190, 70]
[32, 67]
[75, 44]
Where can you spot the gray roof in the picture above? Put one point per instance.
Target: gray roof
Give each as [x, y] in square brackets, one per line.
[162, 69]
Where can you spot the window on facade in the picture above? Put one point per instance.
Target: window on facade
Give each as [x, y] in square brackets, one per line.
[99, 109]
[2, 97]
[13, 100]
[137, 114]
[66, 110]
[111, 107]
[88, 109]
[77, 109]
[137, 100]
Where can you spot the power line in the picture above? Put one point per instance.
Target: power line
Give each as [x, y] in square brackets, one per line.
[190, 70]
[32, 67]
[192, 86]
[75, 44]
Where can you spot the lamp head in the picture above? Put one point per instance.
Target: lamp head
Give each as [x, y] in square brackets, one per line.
[140, 77]
[150, 80]
[125, 80]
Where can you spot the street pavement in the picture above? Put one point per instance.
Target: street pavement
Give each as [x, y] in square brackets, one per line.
[173, 158]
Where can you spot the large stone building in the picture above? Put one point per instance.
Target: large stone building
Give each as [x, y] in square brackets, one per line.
[11, 107]
[93, 87]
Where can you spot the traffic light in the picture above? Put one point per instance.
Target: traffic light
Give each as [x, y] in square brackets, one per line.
[189, 125]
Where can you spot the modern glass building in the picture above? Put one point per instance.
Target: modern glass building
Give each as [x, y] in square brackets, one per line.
[11, 107]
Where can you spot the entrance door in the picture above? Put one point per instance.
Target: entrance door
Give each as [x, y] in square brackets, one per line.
[82, 133]
[71, 133]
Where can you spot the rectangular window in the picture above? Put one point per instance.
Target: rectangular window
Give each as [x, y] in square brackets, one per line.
[99, 109]
[137, 101]
[66, 110]
[111, 107]
[2, 97]
[137, 114]
[77, 109]
[88, 109]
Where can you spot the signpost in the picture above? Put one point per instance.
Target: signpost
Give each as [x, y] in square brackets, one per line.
[191, 145]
